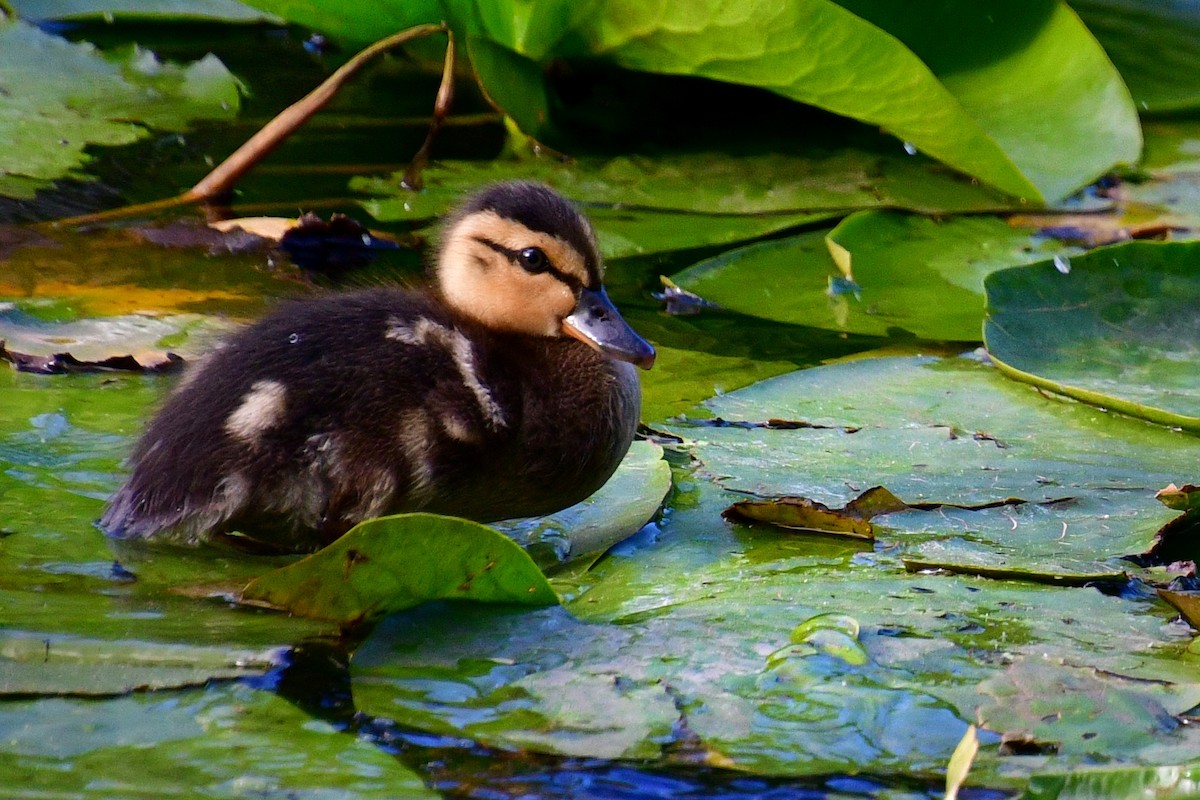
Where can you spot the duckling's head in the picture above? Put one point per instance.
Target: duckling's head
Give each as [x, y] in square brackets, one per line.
[518, 257]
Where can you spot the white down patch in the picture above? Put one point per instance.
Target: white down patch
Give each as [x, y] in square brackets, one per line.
[261, 409]
[424, 332]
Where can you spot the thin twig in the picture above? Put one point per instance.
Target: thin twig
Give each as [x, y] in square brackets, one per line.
[441, 108]
[225, 176]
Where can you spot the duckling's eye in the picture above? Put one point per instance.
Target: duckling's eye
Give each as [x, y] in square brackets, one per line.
[532, 259]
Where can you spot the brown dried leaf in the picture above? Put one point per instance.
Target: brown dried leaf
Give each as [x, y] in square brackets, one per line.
[1187, 603]
[1180, 498]
[64, 363]
[801, 513]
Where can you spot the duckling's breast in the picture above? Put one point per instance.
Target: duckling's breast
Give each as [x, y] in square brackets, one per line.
[575, 413]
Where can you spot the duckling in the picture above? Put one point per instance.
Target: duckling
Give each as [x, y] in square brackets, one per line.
[506, 390]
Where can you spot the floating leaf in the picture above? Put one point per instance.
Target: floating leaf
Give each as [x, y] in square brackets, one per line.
[397, 562]
[1180, 498]
[919, 421]
[1154, 45]
[1187, 603]
[224, 741]
[58, 97]
[73, 666]
[630, 499]
[853, 520]
[1116, 328]
[1080, 710]
[908, 275]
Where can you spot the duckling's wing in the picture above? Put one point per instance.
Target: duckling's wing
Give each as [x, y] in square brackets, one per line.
[322, 414]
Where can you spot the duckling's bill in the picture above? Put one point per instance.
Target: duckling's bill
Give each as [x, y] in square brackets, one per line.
[596, 322]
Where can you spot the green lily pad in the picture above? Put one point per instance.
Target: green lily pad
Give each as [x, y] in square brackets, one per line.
[893, 698]
[397, 562]
[222, 10]
[955, 431]
[1155, 47]
[961, 84]
[890, 274]
[60, 97]
[1117, 330]
[1106, 714]
[826, 178]
[1175, 781]
[630, 499]
[227, 742]
[40, 665]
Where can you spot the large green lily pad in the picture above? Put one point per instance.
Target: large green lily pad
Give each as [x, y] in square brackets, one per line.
[955, 431]
[708, 183]
[890, 274]
[962, 84]
[229, 741]
[1119, 329]
[895, 698]
[58, 97]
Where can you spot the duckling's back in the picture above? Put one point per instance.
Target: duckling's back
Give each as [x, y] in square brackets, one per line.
[334, 410]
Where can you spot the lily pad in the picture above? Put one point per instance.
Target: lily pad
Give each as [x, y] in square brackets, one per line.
[229, 741]
[896, 274]
[630, 499]
[963, 85]
[954, 431]
[1154, 45]
[894, 697]
[1166, 781]
[222, 10]
[827, 178]
[397, 562]
[1116, 328]
[60, 97]
[66, 665]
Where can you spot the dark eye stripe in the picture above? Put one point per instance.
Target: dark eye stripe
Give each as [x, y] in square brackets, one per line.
[515, 257]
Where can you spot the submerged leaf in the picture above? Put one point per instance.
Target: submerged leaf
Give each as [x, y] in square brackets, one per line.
[397, 562]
